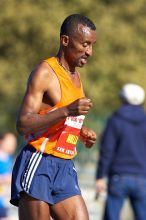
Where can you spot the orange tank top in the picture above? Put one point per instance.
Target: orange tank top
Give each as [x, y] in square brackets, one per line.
[60, 139]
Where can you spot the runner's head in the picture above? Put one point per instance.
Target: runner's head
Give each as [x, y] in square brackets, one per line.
[77, 36]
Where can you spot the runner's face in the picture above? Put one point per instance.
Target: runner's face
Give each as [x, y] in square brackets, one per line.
[80, 46]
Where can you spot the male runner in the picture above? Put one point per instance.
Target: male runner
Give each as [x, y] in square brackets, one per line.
[51, 116]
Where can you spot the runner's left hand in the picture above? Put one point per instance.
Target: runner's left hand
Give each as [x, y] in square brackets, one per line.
[88, 137]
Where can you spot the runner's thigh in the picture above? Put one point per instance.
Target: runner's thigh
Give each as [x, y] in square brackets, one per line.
[33, 209]
[73, 208]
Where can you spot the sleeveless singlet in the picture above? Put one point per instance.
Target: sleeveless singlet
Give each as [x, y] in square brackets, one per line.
[60, 139]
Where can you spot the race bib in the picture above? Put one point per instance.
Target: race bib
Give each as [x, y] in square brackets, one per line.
[68, 139]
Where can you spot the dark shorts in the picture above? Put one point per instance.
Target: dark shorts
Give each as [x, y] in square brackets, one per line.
[44, 177]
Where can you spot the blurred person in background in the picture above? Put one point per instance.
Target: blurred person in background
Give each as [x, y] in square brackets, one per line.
[8, 143]
[44, 179]
[122, 158]
[1, 137]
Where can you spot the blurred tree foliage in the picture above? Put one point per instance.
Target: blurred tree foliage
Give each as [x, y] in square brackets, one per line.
[29, 32]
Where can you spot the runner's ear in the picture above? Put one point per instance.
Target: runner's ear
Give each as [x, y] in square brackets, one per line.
[64, 40]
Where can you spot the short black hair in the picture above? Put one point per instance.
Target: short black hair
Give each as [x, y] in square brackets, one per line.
[70, 23]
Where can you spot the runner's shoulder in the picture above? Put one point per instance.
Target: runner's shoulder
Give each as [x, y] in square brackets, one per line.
[41, 73]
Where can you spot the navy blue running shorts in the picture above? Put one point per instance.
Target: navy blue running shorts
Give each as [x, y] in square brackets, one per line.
[43, 177]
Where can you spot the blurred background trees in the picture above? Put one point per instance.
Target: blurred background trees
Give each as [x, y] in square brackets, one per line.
[29, 33]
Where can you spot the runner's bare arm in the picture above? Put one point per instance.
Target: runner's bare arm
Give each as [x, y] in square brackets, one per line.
[29, 120]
